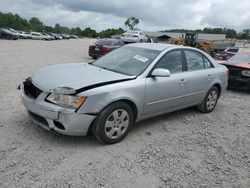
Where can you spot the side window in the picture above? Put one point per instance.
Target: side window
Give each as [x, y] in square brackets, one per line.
[207, 63]
[194, 60]
[171, 61]
[116, 43]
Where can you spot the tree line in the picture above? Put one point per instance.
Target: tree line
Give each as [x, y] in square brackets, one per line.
[34, 24]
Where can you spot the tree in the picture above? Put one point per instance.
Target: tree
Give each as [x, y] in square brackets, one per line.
[36, 24]
[131, 22]
[88, 32]
[110, 32]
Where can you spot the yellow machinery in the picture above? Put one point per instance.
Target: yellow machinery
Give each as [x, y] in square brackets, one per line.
[191, 40]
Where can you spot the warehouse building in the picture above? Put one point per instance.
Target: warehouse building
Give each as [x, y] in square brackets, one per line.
[166, 36]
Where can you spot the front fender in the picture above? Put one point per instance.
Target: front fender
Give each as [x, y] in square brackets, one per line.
[99, 98]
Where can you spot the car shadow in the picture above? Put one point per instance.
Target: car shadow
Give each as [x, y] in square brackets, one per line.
[168, 117]
[239, 91]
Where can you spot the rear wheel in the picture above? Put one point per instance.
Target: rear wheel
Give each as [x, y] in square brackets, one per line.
[210, 100]
[113, 123]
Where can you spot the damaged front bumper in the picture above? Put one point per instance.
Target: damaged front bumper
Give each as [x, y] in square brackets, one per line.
[55, 118]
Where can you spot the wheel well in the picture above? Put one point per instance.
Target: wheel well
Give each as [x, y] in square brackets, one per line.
[218, 87]
[130, 103]
[133, 107]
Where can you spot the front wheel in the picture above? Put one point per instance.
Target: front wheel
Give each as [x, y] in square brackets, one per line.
[113, 123]
[210, 100]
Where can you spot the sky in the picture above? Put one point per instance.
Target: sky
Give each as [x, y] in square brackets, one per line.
[154, 15]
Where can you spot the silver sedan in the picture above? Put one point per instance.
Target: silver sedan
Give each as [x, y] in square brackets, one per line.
[132, 83]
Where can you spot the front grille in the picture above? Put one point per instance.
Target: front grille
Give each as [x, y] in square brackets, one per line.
[31, 90]
[39, 118]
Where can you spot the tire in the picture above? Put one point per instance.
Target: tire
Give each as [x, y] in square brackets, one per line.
[210, 100]
[109, 126]
[140, 41]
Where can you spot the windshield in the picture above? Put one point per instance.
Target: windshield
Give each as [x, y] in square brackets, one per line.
[127, 60]
[240, 57]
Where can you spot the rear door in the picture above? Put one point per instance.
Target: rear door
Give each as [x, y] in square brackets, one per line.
[198, 76]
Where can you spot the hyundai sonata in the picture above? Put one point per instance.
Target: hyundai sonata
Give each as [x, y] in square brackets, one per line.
[132, 83]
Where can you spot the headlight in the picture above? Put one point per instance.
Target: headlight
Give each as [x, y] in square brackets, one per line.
[246, 73]
[67, 101]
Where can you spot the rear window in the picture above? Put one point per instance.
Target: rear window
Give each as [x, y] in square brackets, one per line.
[104, 42]
[132, 33]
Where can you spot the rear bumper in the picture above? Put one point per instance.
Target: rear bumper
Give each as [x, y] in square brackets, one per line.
[54, 118]
[92, 54]
[239, 83]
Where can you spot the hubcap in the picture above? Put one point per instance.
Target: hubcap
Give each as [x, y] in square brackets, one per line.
[116, 124]
[211, 100]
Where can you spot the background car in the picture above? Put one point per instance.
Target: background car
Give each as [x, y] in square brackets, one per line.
[239, 70]
[103, 46]
[134, 36]
[230, 52]
[37, 36]
[56, 37]
[132, 83]
[24, 35]
[48, 36]
[8, 34]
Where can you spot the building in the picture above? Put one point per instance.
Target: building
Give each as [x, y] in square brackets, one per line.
[166, 36]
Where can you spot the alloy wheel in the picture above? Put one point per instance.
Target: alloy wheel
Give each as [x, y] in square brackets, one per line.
[116, 124]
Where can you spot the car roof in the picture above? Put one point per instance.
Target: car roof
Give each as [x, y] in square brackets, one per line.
[154, 46]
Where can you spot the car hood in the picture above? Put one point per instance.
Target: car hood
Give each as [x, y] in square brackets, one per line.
[72, 78]
[241, 65]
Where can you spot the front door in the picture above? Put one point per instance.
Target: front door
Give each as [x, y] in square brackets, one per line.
[163, 94]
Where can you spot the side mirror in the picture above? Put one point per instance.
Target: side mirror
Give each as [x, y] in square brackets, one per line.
[159, 72]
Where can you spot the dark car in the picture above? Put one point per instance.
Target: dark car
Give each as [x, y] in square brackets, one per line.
[239, 70]
[8, 34]
[230, 52]
[103, 46]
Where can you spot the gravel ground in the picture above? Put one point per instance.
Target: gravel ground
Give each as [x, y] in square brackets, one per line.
[181, 149]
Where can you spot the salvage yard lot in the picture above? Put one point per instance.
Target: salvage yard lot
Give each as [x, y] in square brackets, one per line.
[181, 149]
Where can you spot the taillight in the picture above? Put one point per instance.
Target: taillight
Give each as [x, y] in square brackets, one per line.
[105, 49]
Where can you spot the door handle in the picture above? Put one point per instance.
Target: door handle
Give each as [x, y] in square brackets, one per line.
[209, 77]
[182, 82]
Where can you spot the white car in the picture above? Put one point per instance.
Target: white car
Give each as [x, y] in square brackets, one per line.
[48, 37]
[134, 36]
[24, 35]
[37, 36]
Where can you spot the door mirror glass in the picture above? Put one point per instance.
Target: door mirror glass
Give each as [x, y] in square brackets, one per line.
[159, 72]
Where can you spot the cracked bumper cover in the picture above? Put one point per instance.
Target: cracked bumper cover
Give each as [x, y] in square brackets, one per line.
[75, 124]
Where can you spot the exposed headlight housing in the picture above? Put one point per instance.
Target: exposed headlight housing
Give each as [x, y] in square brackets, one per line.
[67, 101]
[246, 73]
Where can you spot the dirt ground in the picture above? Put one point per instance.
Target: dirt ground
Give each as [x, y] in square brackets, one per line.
[181, 149]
